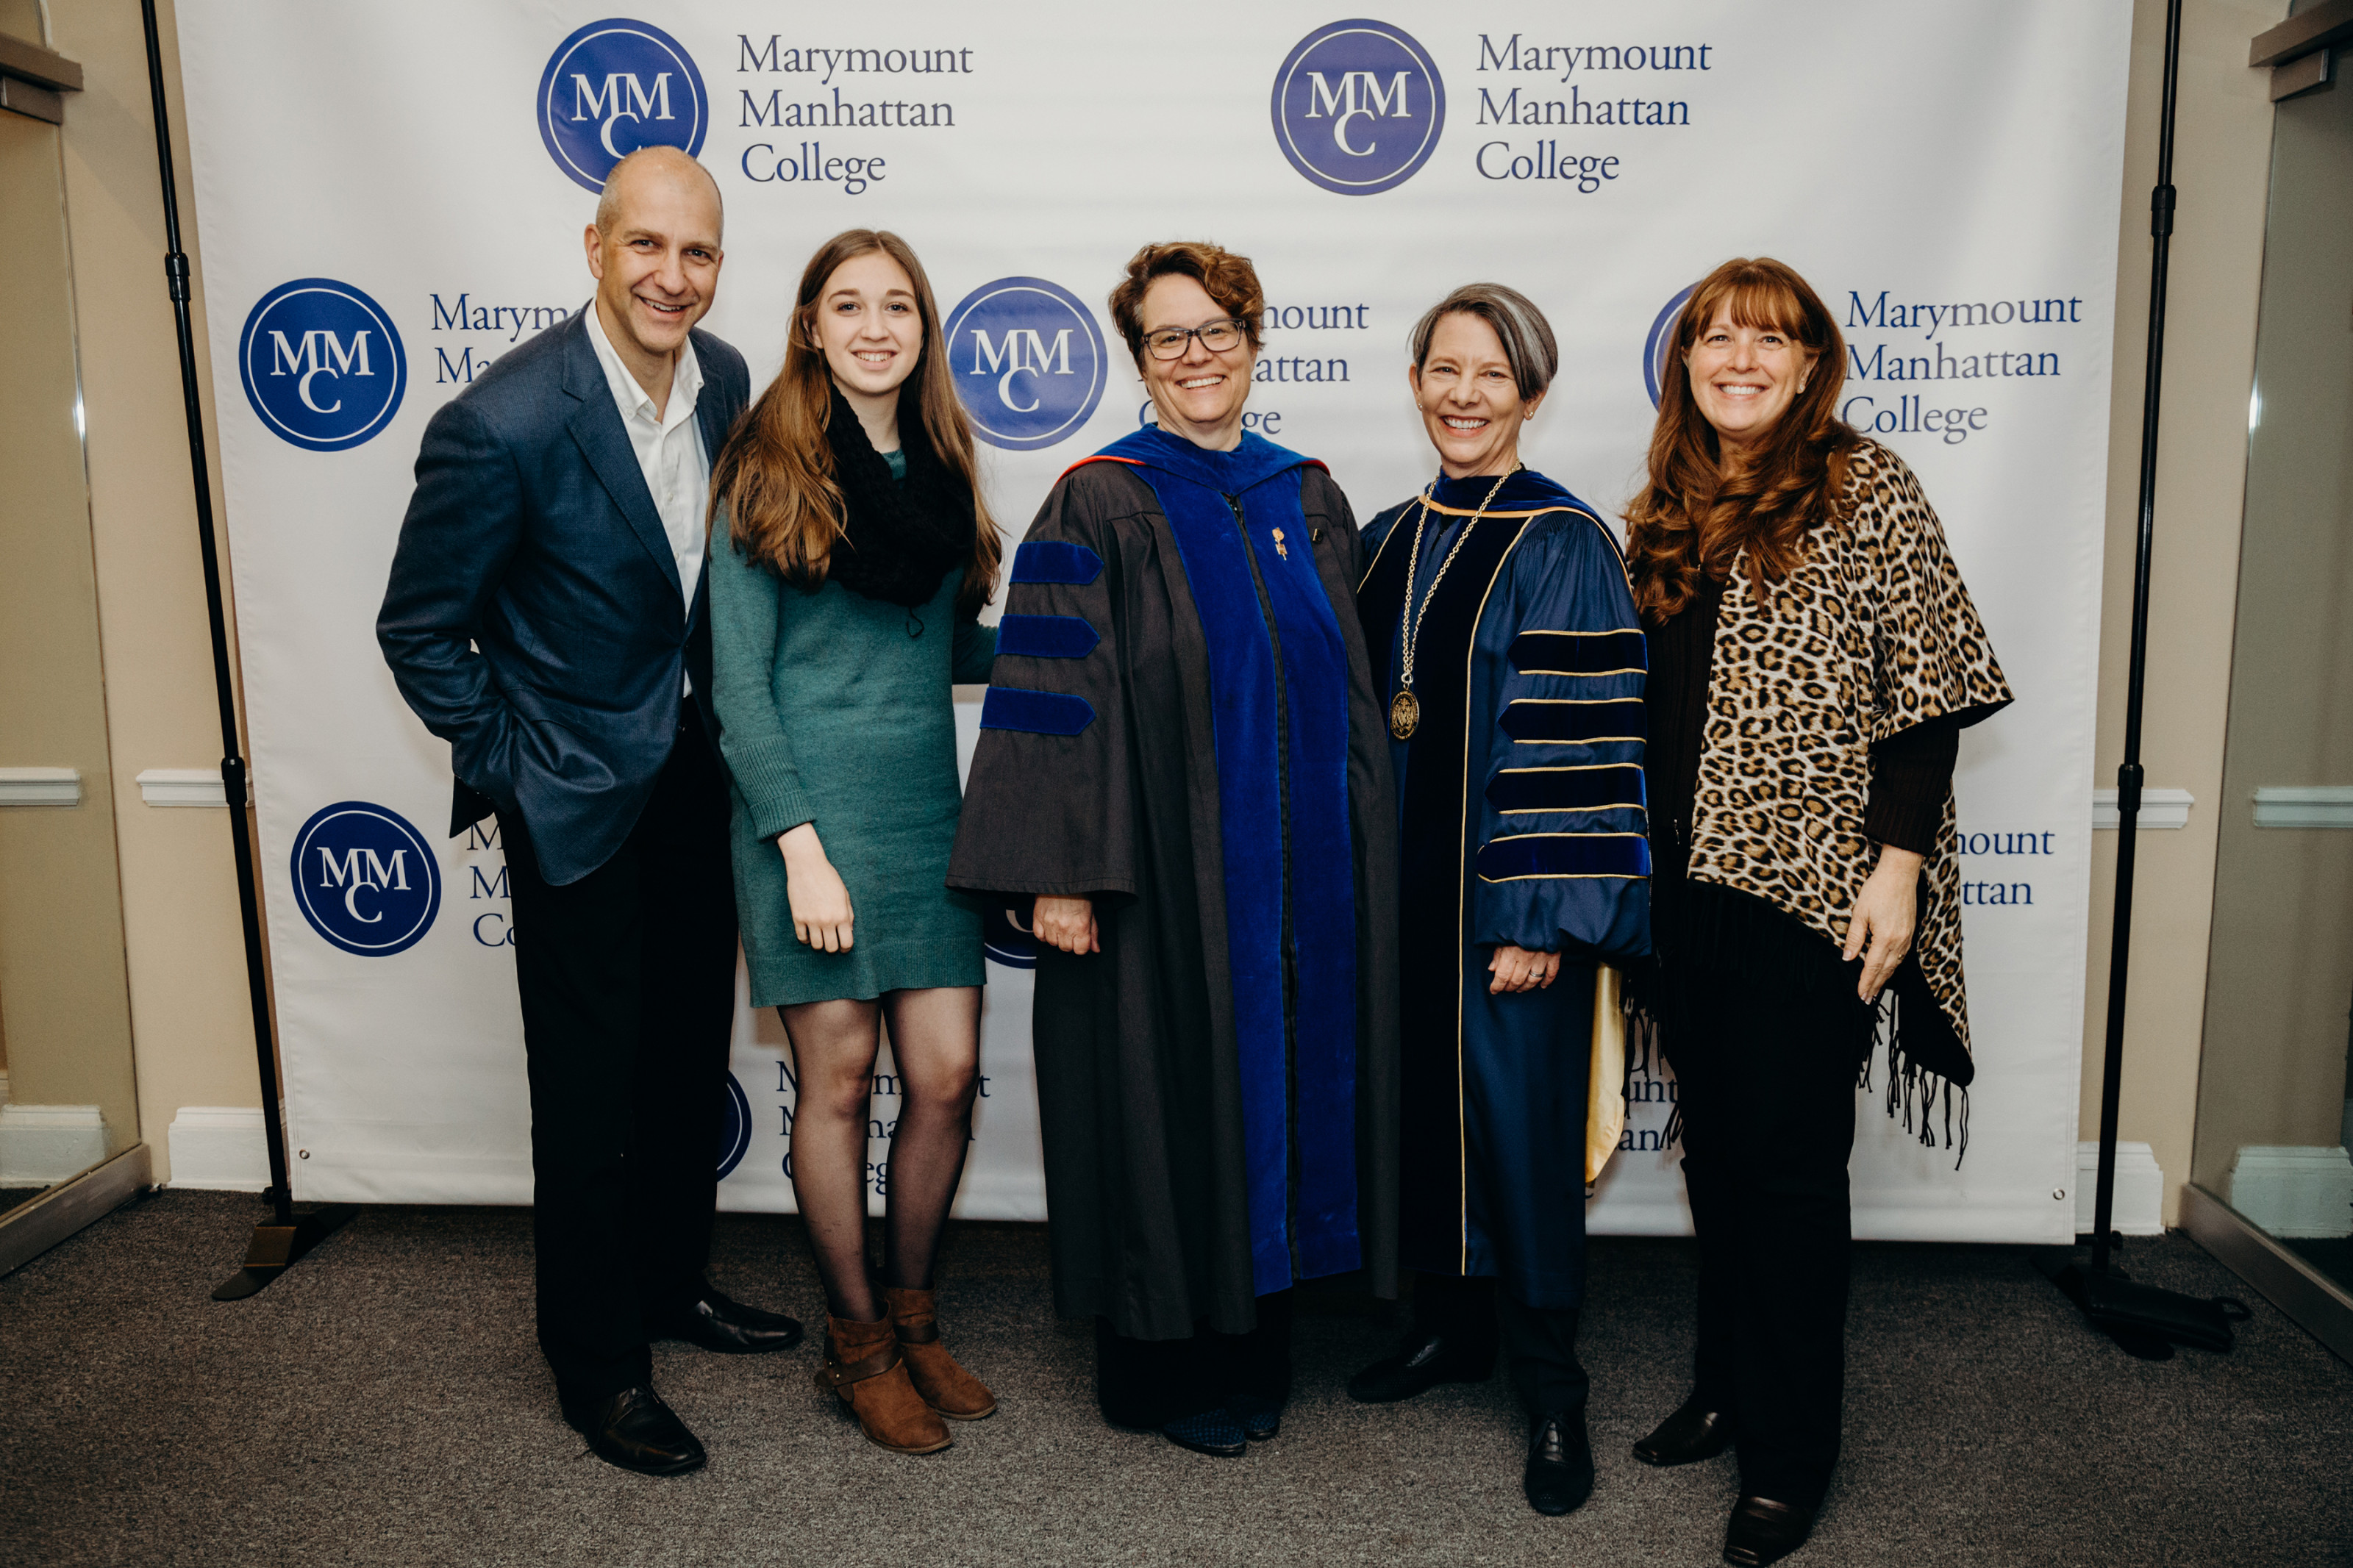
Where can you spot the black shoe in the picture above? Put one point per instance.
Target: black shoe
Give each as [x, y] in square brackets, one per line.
[1559, 1475]
[1692, 1433]
[716, 1323]
[1260, 1418]
[1213, 1432]
[1423, 1358]
[635, 1430]
[1763, 1531]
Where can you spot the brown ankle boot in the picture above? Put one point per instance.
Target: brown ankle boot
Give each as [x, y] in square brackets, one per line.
[862, 1366]
[945, 1386]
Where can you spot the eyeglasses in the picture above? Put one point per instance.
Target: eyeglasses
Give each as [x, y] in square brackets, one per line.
[1168, 343]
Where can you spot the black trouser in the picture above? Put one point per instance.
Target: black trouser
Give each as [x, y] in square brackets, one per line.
[1540, 1346]
[1766, 1082]
[628, 980]
[1150, 1382]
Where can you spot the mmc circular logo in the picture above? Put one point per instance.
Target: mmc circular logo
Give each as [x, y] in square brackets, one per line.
[366, 880]
[735, 1129]
[1006, 943]
[614, 87]
[1659, 350]
[1027, 360]
[1358, 107]
[322, 365]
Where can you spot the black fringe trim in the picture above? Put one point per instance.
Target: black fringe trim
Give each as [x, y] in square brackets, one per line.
[1912, 1085]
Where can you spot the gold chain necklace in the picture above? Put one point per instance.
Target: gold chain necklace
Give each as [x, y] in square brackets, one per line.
[1405, 708]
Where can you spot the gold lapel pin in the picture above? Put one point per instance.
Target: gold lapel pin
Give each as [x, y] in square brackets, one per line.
[1280, 548]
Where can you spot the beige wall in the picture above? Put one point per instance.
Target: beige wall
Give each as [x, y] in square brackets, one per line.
[188, 1005]
[180, 907]
[2282, 971]
[2221, 165]
[61, 976]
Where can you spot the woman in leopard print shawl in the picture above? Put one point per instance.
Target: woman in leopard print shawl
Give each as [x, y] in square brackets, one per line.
[1814, 657]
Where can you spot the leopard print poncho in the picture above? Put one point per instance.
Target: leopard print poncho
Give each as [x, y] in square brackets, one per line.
[1872, 634]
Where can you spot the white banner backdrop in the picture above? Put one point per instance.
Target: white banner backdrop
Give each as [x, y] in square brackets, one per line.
[392, 195]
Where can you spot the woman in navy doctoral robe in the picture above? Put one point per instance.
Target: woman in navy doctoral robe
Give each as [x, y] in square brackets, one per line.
[1497, 609]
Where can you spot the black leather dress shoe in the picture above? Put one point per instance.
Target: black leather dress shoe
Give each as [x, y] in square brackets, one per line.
[1422, 1360]
[717, 1323]
[1215, 1433]
[1260, 1418]
[1559, 1475]
[1692, 1433]
[635, 1430]
[1763, 1531]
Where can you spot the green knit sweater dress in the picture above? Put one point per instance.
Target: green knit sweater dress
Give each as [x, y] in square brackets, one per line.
[835, 708]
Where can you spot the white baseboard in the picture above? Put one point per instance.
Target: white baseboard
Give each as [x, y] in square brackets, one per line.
[219, 1147]
[182, 786]
[2295, 1191]
[41, 786]
[44, 1144]
[2303, 805]
[2160, 809]
[2140, 1190]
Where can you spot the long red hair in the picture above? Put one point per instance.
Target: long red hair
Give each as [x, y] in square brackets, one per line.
[1691, 517]
[774, 475]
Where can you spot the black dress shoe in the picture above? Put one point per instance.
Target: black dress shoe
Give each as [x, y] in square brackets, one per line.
[1559, 1475]
[1216, 1433]
[1422, 1360]
[717, 1323]
[1692, 1433]
[1260, 1418]
[635, 1430]
[1763, 1531]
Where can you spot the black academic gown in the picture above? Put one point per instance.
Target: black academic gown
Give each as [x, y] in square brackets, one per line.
[1097, 773]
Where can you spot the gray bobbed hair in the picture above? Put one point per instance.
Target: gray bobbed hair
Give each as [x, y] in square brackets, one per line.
[1519, 326]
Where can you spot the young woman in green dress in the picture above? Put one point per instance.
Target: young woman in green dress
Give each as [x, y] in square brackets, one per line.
[850, 555]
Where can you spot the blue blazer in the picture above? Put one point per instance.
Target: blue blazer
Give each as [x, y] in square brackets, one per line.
[534, 619]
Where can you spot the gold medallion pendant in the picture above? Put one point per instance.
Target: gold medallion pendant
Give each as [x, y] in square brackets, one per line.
[1405, 715]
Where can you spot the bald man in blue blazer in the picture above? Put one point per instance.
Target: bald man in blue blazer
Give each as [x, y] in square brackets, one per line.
[547, 616]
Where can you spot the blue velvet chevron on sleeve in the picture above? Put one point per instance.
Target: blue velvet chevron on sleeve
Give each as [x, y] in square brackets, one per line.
[1561, 857]
[1046, 636]
[1038, 713]
[1056, 560]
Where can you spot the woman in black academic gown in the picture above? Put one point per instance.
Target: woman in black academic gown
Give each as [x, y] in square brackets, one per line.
[1181, 763]
[1497, 608]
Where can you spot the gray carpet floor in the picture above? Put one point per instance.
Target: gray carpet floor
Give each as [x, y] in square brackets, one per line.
[384, 1402]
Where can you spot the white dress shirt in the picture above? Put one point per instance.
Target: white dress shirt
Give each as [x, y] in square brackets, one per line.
[669, 446]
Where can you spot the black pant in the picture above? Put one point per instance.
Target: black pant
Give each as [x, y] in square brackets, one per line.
[1766, 1084]
[1150, 1382]
[1540, 1346]
[628, 980]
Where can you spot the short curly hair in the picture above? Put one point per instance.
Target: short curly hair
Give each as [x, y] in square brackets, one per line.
[1229, 279]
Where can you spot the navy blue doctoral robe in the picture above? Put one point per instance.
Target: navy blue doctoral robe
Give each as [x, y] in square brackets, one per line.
[1521, 819]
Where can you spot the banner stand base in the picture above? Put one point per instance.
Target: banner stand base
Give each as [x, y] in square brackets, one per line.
[2071, 1272]
[277, 1247]
[2143, 1320]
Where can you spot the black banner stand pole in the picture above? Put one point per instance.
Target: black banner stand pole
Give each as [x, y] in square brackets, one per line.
[2124, 1310]
[286, 1237]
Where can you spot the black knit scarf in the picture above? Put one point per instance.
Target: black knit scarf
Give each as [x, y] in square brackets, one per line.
[898, 537]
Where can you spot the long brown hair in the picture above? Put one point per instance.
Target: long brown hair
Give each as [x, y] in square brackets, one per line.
[1691, 517]
[774, 475]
